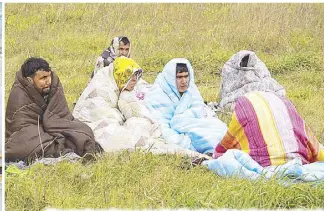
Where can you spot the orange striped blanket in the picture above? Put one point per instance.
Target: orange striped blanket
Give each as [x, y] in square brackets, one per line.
[270, 130]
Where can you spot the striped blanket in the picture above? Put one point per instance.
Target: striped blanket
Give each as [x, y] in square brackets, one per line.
[270, 130]
[183, 120]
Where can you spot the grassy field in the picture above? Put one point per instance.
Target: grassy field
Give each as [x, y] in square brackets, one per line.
[289, 38]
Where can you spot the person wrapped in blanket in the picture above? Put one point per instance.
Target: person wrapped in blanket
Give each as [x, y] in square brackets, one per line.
[244, 72]
[131, 99]
[120, 46]
[100, 103]
[270, 130]
[174, 101]
[38, 121]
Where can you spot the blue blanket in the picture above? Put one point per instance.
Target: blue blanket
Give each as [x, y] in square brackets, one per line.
[182, 118]
[238, 163]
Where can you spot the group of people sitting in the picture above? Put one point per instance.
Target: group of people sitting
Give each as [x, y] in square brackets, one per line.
[118, 109]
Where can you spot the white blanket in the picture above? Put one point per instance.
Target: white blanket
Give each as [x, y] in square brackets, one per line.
[98, 108]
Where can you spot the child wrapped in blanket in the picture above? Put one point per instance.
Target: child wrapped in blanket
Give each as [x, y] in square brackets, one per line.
[127, 75]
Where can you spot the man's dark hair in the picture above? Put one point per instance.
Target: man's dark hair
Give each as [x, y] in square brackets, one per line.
[125, 40]
[181, 67]
[32, 65]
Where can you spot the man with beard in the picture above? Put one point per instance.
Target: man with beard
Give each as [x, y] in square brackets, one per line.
[38, 121]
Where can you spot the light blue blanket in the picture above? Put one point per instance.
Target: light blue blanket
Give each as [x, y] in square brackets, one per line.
[238, 163]
[182, 118]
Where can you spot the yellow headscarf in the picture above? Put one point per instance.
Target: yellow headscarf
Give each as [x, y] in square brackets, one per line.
[123, 69]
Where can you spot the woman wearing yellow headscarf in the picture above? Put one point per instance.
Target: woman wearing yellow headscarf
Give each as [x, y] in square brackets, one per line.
[109, 103]
[126, 74]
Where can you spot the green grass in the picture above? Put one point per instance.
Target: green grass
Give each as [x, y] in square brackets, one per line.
[289, 38]
[138, 180]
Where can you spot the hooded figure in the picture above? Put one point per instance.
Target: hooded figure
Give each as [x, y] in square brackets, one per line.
[98, 105]
[181, 115]
[124, 70]
[244, 72]
[131, 99]
[120, 46]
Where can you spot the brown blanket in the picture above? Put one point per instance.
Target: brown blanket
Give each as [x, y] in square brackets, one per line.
[36, 129]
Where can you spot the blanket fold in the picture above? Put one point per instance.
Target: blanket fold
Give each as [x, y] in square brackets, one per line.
[238, 163]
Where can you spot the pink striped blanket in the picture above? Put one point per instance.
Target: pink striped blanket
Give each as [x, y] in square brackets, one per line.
[270, 130]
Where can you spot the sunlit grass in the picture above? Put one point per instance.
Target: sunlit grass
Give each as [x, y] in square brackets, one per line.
[138, 180]
[287, 37]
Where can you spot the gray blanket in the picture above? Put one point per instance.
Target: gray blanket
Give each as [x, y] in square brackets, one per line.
[244, 72]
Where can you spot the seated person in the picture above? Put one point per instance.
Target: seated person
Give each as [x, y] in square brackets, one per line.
[131, 99]
[244, 72]
[38, 121]
[175, 103]
[120, 46]
[98, 105]
[270, 130]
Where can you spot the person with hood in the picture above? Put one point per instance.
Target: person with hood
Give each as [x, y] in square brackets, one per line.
[120, 46]
[175, 103]
[244, 72]
[109, 105]
[131, 98]
[38, 121]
